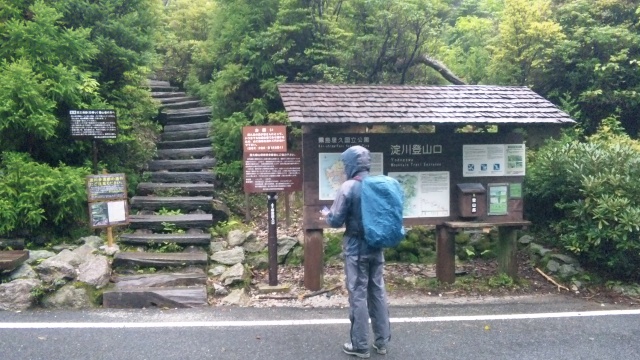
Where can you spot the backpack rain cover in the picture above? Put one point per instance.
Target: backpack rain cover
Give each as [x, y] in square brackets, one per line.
[382, 203]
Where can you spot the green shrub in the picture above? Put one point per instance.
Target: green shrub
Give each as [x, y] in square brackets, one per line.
[37, 196]
[592, 188]
[417, 247]
[332, 246]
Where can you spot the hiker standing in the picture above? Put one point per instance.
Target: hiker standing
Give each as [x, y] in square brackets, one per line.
[363, 264]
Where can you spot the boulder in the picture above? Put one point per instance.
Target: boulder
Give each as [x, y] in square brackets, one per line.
[234, 274]
[84, 252]
[285, 244]
[258, 260]
[217, 270]
[216, 246]
[68, 257]
[24, 271]
[52, 271]
[237, 297]
[236, 237]
[254, 245]
[95, 271]
[68, 297]
[18, 295]
[219, 290]
[35, 255]
[93, 241]
[229, 257]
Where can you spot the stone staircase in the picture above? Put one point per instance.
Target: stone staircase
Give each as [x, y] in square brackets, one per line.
[174, 210]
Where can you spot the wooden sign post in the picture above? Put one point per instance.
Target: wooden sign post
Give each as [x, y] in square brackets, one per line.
[268, 168]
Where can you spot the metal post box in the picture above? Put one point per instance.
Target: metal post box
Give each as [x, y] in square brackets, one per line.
[472, 200]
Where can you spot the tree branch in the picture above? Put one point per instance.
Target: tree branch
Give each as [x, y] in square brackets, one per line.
[434, 64]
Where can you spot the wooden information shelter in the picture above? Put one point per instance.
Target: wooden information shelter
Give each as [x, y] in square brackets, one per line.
[453, 180]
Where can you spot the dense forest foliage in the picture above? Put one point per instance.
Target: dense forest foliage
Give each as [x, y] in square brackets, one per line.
[581, 54]
[58, 55]
[62, 55]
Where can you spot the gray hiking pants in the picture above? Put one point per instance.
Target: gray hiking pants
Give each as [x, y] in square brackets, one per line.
[367, 299]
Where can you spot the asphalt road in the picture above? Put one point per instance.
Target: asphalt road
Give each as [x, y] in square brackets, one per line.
[545, 328]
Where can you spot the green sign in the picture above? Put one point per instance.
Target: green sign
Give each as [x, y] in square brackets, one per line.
[498, 199]
[515, 191]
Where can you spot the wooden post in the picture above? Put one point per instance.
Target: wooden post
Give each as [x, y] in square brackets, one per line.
[506, 251]
[109, 236]
[272, 241]
[313, 259]
[445, 255]
[287, 209]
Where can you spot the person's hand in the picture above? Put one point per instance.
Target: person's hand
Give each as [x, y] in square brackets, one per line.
[325, 211]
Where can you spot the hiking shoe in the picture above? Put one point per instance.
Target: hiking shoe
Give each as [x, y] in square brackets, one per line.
[361, 353]
[382, 350]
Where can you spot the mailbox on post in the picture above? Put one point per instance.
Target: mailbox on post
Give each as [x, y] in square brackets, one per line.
[472, 200]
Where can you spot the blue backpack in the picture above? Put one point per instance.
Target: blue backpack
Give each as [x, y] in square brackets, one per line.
[382, 203]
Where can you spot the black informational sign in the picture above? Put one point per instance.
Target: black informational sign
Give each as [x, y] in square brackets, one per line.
[93, 124]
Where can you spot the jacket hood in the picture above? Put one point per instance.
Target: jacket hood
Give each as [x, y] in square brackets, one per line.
[356, 159]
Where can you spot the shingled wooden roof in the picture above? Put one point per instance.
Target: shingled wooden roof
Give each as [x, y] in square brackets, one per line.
[457, 104]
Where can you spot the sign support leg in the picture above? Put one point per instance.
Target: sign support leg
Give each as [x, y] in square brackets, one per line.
[313, 254]
[273, 239]
[445, 255]
[109, 236]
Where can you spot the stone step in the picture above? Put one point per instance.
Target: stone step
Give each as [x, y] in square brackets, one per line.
[181, 105]
[150, 83]
[160, 280]
[182, 165]
[168, 297]
[161, 222]
[180, 239]
[190, 153]
[187, 127]
[185, 144]
[179, 113]
[175, 189]
[161, 86]
[159, 260]
[176, 99]
[167, 94]
[181, 177]
[185, 135]
[185, 203]
[11, 259]
[186, 120]
[185, 116]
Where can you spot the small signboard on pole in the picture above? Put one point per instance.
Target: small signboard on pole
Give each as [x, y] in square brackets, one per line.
[269, 168]
[107, 195]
